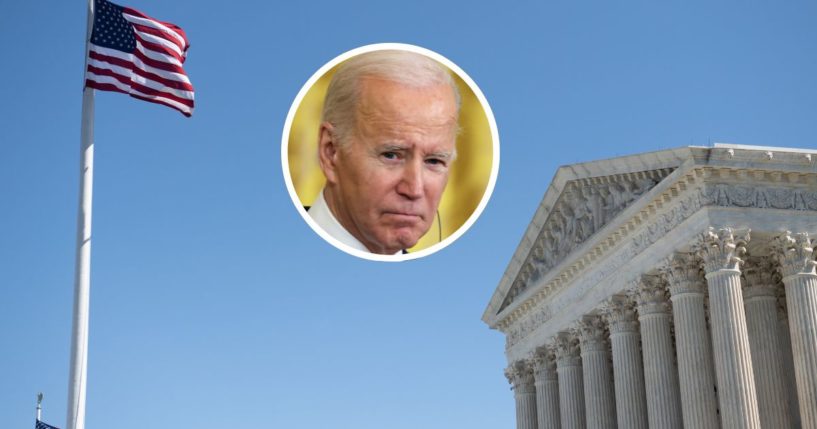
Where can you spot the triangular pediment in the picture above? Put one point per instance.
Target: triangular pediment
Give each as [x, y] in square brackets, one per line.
[581, 201]
[584, 207]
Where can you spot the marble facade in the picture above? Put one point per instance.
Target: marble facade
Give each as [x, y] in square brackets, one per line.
[670, 289]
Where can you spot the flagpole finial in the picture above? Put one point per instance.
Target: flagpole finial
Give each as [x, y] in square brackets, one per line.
[39, 398]
[39, 406]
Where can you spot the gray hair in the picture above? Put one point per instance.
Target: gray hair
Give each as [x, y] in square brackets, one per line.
[403, 67]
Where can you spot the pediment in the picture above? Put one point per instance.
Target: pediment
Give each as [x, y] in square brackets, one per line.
[581, 201]
[584, 207]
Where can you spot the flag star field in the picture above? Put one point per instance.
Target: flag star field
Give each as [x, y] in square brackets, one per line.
[111, 29]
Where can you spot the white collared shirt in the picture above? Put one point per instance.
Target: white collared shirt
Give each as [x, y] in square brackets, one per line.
[322, 215]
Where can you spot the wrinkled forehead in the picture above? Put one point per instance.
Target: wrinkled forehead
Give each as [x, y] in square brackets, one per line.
[386, 102]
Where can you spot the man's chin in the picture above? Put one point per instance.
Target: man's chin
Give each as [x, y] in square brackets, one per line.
[400, 240]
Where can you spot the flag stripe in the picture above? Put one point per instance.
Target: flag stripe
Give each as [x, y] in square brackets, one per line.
[161, 34]
[141, 84]
[162, 51]
[159, 44]
[173, 30]
[106, 83]
[160, 57]
[113, 88]
[137, 55]
[140, 60]
[169, 37]
[105, 86]
[153, 62]
[102, 75]
[153, 81]
[186, 111]
[172, 80]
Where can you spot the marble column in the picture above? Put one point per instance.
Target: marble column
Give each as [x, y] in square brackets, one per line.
[599, 403]
[660, 376]
[797, 265]
[628, 372]
[547, 390]
[760, 302]
[721, 252]
[571, 387]
[699, 402]
[788, 359]
[520, 375]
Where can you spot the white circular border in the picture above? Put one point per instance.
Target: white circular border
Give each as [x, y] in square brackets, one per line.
[494, 138]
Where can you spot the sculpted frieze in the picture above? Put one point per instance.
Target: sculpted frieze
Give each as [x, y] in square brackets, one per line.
[667, 221]
[732, 195]
[584, 207]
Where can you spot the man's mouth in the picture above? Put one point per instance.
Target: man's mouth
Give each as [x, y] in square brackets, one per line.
[404, 216]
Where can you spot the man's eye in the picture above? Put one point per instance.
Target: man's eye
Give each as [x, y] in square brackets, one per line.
[390, 155]
[435, 162]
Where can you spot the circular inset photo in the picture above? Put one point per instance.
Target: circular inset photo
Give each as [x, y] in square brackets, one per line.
[390, 152]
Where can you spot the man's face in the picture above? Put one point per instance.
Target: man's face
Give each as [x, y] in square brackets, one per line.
[389, 174]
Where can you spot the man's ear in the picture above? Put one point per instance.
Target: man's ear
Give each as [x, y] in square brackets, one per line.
[328, 151]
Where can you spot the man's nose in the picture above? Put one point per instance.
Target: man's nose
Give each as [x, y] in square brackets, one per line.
[411, 183]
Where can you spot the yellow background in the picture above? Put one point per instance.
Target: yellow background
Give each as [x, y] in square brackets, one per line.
[469, 174]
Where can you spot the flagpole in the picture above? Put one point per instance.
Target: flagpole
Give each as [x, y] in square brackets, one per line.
[82, 270]
[39, 406]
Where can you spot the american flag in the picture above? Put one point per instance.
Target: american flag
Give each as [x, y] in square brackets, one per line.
[42, 425]
[133, 53]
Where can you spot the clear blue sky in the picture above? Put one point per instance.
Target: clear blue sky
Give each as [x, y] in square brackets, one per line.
[213, 305]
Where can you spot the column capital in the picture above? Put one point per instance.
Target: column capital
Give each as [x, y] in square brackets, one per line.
[652, 295]
[566, 349]
[591, 333]
[762, 280]
[683, 272]
[722, 249]
[520, 375]
[621, 315]
[795, 253]
[544, 365]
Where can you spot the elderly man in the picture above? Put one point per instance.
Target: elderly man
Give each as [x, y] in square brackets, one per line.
[386, 144]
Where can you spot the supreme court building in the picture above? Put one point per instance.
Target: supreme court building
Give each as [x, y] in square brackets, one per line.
[670, 289]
